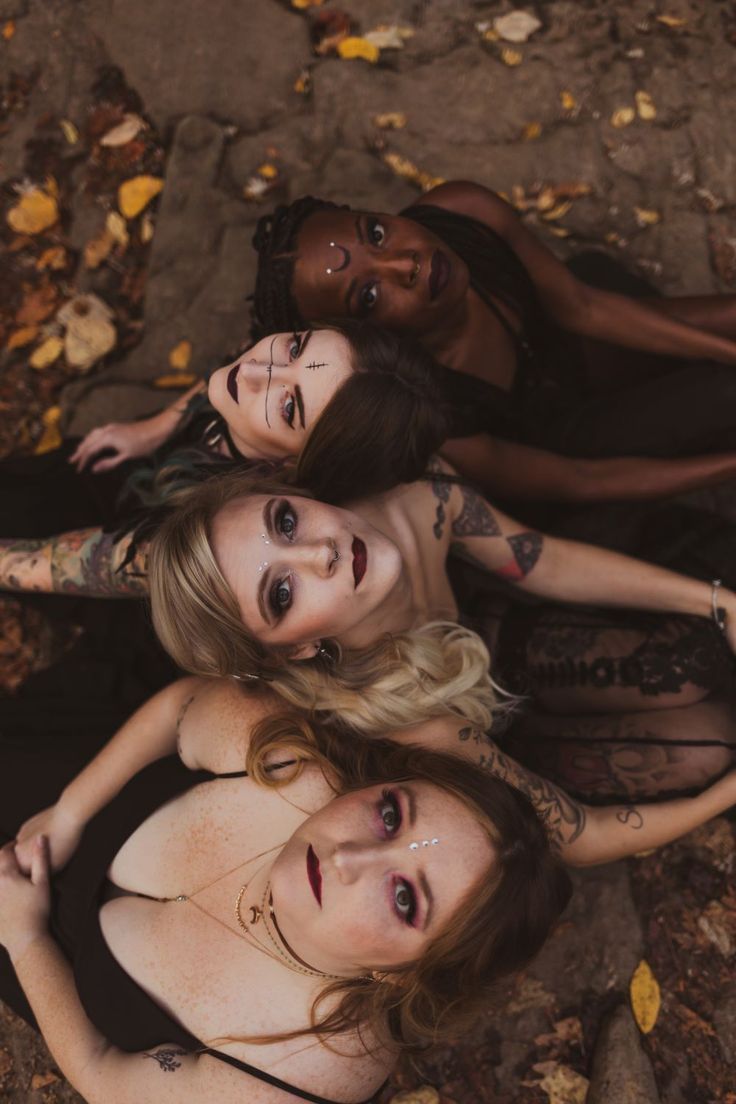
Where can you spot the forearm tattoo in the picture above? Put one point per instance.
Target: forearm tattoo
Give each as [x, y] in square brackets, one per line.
[563, 818]
[166, 1058]
[476, 519]
[84, 562]
[441, 490]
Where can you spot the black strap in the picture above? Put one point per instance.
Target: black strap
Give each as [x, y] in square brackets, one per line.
[275, 1081]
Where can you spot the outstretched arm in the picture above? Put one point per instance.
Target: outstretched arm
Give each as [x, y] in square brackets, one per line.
[574, 305]
[512, 470]
[84, 561]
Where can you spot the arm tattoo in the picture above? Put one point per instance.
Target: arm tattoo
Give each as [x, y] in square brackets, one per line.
[631, 816]
[476, 519]
[441, 490]
[166, 1058]
[84, 561]
[563, 818]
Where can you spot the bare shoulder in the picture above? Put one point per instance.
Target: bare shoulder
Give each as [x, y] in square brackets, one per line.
[215, 721]
[463, 197]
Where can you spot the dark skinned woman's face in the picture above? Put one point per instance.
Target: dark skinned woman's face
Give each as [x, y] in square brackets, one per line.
[381, 267]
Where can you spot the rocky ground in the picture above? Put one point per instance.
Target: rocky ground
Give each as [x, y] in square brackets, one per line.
[609, 126]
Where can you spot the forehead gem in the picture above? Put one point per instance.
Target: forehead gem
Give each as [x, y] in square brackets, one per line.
[413, 846]
[425, 843]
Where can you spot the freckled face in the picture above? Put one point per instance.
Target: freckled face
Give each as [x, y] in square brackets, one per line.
[302, 571]
[272, 395]
[351, 894]
[383, 267]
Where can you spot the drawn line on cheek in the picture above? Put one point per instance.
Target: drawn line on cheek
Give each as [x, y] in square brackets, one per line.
[270, 373]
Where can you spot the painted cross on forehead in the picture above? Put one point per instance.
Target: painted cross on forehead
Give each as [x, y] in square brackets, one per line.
[424, 843]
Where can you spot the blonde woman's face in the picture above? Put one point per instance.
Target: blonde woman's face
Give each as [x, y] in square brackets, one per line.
[302, 571]
[272, 395]
[352, 894]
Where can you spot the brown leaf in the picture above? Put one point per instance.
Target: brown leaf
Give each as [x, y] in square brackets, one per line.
[98, 249]
[6, 1062]
[21, 337]
[179, 381]
[511, 57]
[37, 305]
[531, 131]
[328, 29]
[8, 30]
[41, 1080]
[562, 1084]
[35, 211]
[54, 258]
[390, 120]
[622, 117]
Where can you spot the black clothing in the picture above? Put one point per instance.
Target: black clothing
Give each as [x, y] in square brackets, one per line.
[118, 1007]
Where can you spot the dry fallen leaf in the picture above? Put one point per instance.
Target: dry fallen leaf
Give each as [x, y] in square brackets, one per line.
[718, 925]
[568, 101]
[69, 131]
[41, 1080]
[671, 20]
[303, 83]
[516, 26]
[90, 333]
[8, 30]
[569, 1030]
[407, 170]
[558, 211]
[6, 1062]
[645, 997]
[134, 195]
[38, 303]
[645, 106]
[558, 231]
[179, 381]
[390, 120]
[531, 131]
[51, 437]
[180, 355]
[147, 228]
[424, 1095]
[354, 47]
[35, 211]
[622, 117]
[21, 337]
[124, 132]
[97, 249]
[300, 5]
[389, 37]
[511, 57]
[645, 216]
[116, 227]
[54, 258]
[562, 1084]
[46, 353]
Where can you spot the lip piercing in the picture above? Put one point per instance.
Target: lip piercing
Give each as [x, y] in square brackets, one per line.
[425, 843]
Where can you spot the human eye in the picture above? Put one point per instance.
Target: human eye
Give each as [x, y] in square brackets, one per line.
[279, 596]
[389, 811]
[376, 231]
[286, 520]
[368, 296]
[294, 345]
[288, 409]
[405, 902]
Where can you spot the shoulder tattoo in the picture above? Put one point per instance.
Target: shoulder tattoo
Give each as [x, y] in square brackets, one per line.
[166, 1058]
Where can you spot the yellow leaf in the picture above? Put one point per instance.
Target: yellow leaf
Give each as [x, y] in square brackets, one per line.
[51, 186]
[490, 35]
[645, 997]
[54, 257]
[622, 117]
[671, 20]
[8, 30]
[46, 353]
[174, 382]
[69, 131]
[568, 101]
[646, 217]
[559, 231]
[146, 228]
[511, 57]
[36, 211]
[390, 120]
[267, 171]
[303, 83]
[97, 249]
[300, 5]
[116, 227]
[562, 1084]
[424, 1095]
[531, 131]
[353, 47]
[51, 437]
[135, 194]
[24, 336]
[645, 106]
[558, 211]
[180, 355]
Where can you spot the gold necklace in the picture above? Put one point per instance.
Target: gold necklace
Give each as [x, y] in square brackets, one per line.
[292, 960]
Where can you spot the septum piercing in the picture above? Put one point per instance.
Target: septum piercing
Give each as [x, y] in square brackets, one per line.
[425, 843]
[329, 270]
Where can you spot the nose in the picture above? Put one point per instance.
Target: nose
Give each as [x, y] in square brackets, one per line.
[351, 860]
[401, 265]
[320, 555]
[253, 373]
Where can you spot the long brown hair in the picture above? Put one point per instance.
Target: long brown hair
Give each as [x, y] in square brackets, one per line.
[498, 925]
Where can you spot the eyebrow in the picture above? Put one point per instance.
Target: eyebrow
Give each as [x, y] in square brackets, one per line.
[300, 404]
[411, 802]
[265, 612]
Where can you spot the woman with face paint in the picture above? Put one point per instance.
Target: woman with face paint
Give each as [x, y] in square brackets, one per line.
[593, 391]
[282, 931]
[255, 581]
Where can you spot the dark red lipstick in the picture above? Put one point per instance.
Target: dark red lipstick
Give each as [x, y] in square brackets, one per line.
[314, 875]
[439, 273]
[360, 560]
[232, 382]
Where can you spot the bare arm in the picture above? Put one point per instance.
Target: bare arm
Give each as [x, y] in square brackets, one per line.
[714, 313]
[519, 471]
[84, 561]
[574, 305]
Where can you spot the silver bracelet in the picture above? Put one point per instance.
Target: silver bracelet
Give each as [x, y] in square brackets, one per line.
[720, 615]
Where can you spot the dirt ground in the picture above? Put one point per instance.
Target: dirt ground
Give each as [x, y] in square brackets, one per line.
[608, 127]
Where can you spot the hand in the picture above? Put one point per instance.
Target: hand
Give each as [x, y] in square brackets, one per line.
[125, 439]
[24, 902]
[62, 832]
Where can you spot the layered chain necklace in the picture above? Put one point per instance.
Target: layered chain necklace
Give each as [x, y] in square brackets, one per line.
[257, 913]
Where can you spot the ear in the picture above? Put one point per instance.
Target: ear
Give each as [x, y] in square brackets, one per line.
[305, 651]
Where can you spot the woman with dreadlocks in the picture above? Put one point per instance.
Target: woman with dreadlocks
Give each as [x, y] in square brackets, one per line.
[589, 393]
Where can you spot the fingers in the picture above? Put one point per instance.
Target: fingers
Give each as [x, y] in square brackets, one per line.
[94, 442]
[40, 861]
[8, 861]
[107, 463]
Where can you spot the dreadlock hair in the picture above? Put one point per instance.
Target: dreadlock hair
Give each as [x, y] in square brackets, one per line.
[496, 929]
[274, 309]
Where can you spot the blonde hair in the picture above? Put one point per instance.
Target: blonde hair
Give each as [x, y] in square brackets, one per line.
[402, 679]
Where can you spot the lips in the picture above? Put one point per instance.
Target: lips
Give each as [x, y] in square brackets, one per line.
[439, 273]
[314, 875]
[360, 560]
[232, 382]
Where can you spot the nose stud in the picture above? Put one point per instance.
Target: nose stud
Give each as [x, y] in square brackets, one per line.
[424, 843]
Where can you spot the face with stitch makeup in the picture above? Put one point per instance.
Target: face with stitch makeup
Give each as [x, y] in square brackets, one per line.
[382, 267]
[302, 571]
[272, 395]
[352, 894]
